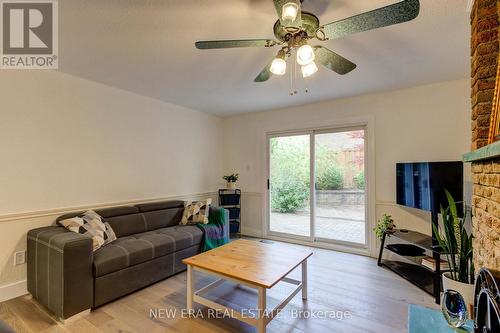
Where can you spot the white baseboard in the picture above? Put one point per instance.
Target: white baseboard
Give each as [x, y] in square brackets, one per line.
[251, 232]
[13, 290]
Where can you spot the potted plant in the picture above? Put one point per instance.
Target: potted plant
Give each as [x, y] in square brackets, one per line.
[231, 181]
[456, 243]
[384, 226]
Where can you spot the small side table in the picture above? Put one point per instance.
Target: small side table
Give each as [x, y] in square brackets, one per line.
[425, 320]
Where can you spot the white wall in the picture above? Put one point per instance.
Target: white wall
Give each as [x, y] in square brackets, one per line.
[425, 123]
[66, 142]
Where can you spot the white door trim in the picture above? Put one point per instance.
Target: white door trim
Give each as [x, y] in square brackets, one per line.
[368, 122]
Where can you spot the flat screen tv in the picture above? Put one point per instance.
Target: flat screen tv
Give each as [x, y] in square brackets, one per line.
[421, 185]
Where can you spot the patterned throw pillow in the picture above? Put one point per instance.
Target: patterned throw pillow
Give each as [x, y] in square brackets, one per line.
[91, 224]
[196, 212]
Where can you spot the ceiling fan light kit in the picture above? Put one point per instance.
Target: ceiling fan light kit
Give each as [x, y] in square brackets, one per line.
[309, 69]
[295, 28]
[278, 66]
[290, 11]
[305, 55]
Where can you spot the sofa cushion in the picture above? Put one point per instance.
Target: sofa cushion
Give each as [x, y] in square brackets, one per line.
[185, 235]
[117, 211]
[126, 225]
[138, 248]
[163, 218]
[148, 207]
[105, 212]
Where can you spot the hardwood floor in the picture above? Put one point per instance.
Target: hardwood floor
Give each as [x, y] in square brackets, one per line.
[359, 295]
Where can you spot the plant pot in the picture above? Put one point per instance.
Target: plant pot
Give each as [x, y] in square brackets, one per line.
[231, 185]
[465, 289]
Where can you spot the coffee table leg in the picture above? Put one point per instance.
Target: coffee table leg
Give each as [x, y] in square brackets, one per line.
[304, 279]
[189, 302]
[261, 326]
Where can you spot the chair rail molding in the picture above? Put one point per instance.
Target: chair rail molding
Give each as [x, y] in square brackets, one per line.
[63, 210]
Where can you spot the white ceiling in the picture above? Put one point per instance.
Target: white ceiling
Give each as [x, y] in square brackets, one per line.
[147, 47]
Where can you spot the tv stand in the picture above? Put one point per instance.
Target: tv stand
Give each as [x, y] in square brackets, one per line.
[409, 268]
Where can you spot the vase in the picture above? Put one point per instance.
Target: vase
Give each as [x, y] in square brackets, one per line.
[465, 289]
[231, 185]
[454, 308]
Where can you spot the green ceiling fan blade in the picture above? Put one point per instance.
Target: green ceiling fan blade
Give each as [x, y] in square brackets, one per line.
[333, 61]
[400, 12]
[264, 75]
[225, 44]
[297, 23]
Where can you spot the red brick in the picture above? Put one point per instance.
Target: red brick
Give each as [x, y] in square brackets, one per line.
[477, 167]
[485, 4]
[482, 84]
[482, 109]
[486, 24]
[487, 12]
[486, 48]
[484, 37]
[479, 143]
[481, 133]
[483, 121]
[486, 84]
[483, 96]
[485, 73]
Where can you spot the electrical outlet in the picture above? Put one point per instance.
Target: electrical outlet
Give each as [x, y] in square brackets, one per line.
[19, 258]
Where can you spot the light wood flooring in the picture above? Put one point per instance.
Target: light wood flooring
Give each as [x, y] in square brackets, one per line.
[375, 299]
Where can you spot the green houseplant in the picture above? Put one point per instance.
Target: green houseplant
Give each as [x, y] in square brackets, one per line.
[456, 242]
[384, 225]
[231, 180]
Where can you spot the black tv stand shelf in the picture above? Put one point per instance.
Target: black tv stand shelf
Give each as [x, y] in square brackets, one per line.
[426, 279]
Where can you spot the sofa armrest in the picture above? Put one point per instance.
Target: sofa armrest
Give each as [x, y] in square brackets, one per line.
[60, 270]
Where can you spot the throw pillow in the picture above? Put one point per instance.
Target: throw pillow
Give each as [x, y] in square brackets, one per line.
[93, 225]
[196, 212]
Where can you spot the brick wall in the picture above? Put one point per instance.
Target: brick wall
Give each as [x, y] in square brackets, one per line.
[486, 174]
[484, 51]
[486, 213]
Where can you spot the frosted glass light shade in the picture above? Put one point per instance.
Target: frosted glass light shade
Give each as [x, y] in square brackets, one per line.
[290, 11]
[278, 66]
[309, 69]
[305, 55]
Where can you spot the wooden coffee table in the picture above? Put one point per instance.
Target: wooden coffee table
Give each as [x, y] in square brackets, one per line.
[251, 263]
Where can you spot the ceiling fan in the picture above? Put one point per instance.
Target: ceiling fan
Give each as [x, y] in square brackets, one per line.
[295, 28]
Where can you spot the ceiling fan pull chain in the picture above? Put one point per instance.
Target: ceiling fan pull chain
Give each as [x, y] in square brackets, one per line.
[295, 78]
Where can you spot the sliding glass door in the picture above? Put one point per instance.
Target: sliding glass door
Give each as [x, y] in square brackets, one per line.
[317, 186]
[289, 185]
[340, 186]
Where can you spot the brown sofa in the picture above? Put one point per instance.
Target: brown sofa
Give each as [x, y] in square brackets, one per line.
[67, 277]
